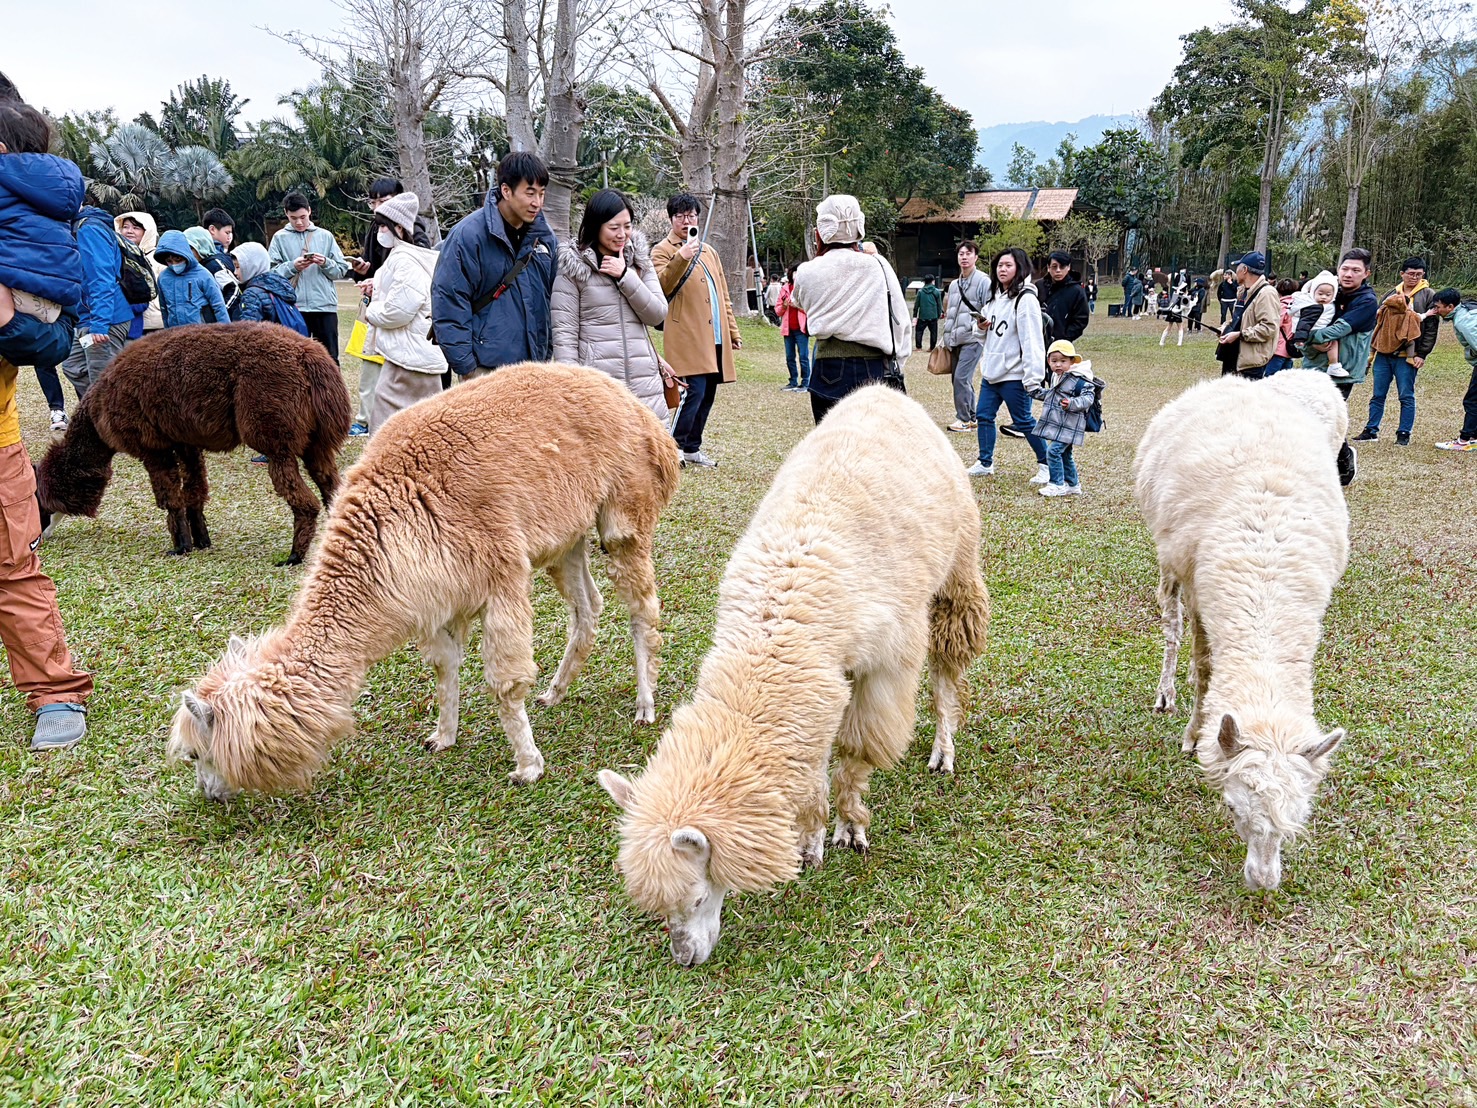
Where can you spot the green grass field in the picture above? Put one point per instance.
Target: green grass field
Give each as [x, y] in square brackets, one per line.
[1063, 921]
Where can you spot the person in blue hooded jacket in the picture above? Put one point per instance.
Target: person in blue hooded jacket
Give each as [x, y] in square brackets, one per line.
[187, 291]
[40, 267]
[108, 319]
[483, 320]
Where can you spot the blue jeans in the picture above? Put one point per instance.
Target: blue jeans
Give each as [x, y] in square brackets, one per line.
[1060, 464]
[797, 345]
[1278, 363]
[1388, 367]
[25, 340]
[1013, 395]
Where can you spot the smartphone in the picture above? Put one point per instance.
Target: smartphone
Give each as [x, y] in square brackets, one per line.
[692, 233]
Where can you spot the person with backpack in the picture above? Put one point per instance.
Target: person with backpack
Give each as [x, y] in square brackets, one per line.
[1014, 360]
[139, 230]
[109, 291]
[266, 296]
[1067, 395]
[223, 272]
[187, 292]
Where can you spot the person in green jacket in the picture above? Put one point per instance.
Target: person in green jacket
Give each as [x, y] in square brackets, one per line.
[926, 311]
[1448, 304]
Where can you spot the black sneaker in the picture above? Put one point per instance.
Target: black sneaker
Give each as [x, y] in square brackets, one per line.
[1010, 432]
[1369, 434]
[1348, 464]
[1402, 438]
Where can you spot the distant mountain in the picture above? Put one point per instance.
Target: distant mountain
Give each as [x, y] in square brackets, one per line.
[1042, 138]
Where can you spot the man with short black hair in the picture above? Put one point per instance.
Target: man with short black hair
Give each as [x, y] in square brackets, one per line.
[372, 255]
[310, 258]
[1355, 306]
[1063, 299]
[926, 311]
[1448, 304]
[222, 230]
[490, 294]
[963, 302]
[1397, 359]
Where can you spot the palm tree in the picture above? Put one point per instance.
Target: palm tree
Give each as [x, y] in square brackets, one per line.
[327, 148]
[202, 113]
[198, 176]
[134, 161]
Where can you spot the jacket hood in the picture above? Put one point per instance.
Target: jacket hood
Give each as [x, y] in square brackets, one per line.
[274, 283]
[252, 259]
[151, 229]
[1323, 277]
[90, 214]
[1081, 369]
[421, 255]
[51, 185]
[174, 242]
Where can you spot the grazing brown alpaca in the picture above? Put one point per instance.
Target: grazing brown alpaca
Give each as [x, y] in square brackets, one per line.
[454, 505]
[173, 395]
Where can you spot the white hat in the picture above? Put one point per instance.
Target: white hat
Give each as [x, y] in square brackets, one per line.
[402, 209]
[839, 219]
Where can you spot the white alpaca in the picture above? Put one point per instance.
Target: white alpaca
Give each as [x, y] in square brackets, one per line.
[1238, 484]
[861, 563]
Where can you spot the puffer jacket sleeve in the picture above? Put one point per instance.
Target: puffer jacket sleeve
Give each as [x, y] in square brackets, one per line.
[451, 304]
[396, 302]
[642, 290]
[252, 301]
[101, 260]
[564, 310]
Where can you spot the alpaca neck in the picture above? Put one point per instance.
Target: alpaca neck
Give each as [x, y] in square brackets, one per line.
[1260, 687]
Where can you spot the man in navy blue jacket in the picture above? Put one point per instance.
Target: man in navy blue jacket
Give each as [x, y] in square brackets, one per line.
[482, 319]
[107, 317]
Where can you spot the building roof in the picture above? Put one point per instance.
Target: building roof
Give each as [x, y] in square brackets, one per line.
[975, 207]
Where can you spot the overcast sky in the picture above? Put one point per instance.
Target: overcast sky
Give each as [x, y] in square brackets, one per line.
[1053, 60]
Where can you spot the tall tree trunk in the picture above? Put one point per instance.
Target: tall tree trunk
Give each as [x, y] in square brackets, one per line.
[1224, 249]
[1271, 161]
[520, 114]
[730, 233]
[1351, 218]
[566, 117]
[407, 116]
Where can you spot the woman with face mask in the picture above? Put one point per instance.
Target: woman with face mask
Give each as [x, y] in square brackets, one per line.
[605, 296]
[399, 313]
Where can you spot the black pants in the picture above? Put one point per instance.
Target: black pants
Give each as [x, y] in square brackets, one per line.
[1226, 308]
[323, 326]
[51, 386]
[929, 325]
[692, 417]
[1469, 406]
[1194, 321]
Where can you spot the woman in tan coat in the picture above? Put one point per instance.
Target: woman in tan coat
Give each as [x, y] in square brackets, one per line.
[605, 297]
[701, 332]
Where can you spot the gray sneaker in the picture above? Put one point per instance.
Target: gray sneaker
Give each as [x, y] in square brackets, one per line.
[697, 458]
[59, 726]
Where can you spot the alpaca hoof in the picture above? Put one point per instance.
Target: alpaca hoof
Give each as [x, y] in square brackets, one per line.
[942, 761]
[290, 560]
[850, 836]
[176, 552]
[813, 849]
[551, 696]
[1187, 744]
[527, 775]
[1164, 704]
[645, 714]
[437, 742]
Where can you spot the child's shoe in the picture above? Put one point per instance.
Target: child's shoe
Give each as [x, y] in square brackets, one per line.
[1043, 475]
[1337, 370]
[1053, 490]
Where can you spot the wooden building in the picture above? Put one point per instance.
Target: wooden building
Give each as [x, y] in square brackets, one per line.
[928, 235]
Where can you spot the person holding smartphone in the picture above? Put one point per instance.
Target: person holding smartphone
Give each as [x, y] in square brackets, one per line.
[310, 259]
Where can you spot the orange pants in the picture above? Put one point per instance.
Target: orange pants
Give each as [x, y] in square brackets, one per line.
[30, 623]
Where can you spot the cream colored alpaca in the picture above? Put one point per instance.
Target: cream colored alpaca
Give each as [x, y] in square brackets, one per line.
[861, 563]
[454, 505]
[1238, 483]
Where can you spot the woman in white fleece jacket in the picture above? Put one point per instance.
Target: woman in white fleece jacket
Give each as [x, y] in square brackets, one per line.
[1014, 362]
[853, 306]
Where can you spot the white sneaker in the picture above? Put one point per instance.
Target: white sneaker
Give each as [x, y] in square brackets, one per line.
[697, 458]
[1072, 490]
[1053, 490]
[1043, 475]
[1336, 370]
[58, 421]
[979, 469]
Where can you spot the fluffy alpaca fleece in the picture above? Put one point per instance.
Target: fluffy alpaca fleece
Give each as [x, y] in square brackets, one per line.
[861, 562]
[453, 506]
[1238, 483]
[170, 397]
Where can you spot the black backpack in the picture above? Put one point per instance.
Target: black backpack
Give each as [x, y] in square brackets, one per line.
[135, 275]
[1095, 413]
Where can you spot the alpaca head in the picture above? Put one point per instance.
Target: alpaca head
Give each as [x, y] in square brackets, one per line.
[668, 874]
[72, 476]
[255, 724]
[1269, 784]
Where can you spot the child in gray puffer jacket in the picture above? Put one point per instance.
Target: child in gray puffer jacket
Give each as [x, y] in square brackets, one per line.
[1066, 395]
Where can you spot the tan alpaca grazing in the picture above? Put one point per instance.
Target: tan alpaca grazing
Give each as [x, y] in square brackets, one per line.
[454, 505]
[861, 563]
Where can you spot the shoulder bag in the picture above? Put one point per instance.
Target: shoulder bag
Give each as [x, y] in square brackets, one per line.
[943, 360]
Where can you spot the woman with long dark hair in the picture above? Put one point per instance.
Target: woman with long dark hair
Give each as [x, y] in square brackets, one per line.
[1014, 361]
[606, 296]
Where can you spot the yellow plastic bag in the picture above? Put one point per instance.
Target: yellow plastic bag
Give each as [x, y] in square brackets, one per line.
[357, 338]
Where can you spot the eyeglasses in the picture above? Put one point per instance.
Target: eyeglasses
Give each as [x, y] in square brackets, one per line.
[685, 217]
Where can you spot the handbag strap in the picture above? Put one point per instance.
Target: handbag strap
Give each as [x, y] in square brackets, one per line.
[887, 285]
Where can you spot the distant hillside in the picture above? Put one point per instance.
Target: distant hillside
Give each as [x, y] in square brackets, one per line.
[1042, 138]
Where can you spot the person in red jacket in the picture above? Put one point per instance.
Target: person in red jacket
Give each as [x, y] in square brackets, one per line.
[797, 338]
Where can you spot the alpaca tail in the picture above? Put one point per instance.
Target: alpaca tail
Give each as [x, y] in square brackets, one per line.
[327, 394]
[959, 617]
[71, 478]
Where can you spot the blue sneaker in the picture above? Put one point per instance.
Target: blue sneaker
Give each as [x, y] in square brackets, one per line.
[59, 726]
[358, 430]
[260, 460]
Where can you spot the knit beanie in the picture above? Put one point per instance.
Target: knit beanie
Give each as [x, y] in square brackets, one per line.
[401, 209]
[838, 219]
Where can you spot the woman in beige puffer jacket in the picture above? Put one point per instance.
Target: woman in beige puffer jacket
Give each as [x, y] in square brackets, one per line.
[606, 296]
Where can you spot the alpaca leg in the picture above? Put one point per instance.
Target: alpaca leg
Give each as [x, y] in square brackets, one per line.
[444, 650]
[321, 461]
[507, 663]
[292, 488]
[571, 575]
[876, 729]
[1172, 607]
[959, 619]
[811, 822]
[197, 491]
[169, 494]
[634, 577]
[1199, 681]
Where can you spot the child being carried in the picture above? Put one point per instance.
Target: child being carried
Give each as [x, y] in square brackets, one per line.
[1313, 308]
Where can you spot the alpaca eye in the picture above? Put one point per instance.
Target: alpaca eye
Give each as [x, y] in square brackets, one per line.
[194, 757]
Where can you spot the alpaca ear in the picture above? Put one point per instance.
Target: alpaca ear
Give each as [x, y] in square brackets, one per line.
[620, 790]
[201, 711]
[1326, 745]
[1230, 736]
[692, 842]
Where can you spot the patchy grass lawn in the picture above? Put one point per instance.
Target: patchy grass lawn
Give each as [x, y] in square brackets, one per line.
[1061, 922]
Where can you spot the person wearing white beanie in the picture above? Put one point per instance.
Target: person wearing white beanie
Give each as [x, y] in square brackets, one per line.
[854, 308]
[399, 311]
